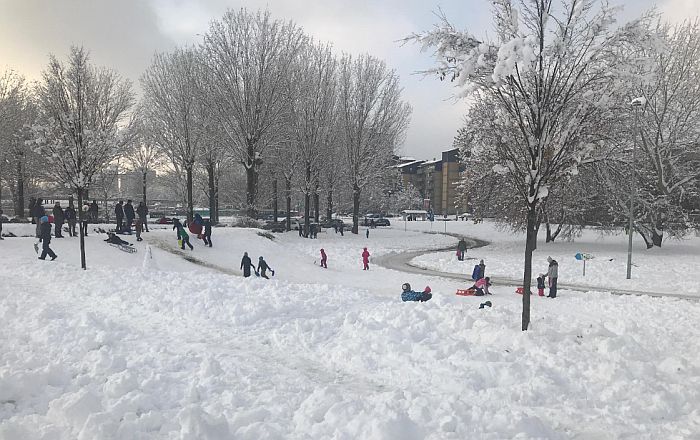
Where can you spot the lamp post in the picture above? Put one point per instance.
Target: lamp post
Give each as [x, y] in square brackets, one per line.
[636, 103]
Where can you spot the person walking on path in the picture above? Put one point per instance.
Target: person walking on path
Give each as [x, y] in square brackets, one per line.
[262, 268]
[38, 213]
[324, 259]
[58, 218]
[207, 232]
[461, 249]
[94, 211]
[119, 214]
[69, 215]
[129, 214]
[246, 264]
[365, 259]
[86, 218]
[552, 275]
[182, 235]
[45, 239]
[142, 212]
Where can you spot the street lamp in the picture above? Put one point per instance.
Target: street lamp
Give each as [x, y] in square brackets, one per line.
[636, 103]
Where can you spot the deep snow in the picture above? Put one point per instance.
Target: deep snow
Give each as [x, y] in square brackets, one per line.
[165, 348]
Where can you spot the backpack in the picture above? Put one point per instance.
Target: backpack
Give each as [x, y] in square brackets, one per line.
[476, 273]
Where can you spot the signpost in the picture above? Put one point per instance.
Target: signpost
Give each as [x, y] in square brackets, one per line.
[445, 223]
[583, 257]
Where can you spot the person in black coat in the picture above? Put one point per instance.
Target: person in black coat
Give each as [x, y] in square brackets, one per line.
[38, 212]
[94, 211]
[207, 232]
[58, 218]
[32, 202]
[119, 213]
[262, 268]
[129, 214]
[246, 264]
[70, 218]
[45, 239]
[142, 212]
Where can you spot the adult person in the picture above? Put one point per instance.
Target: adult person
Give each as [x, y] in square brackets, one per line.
[86, 218]
[94, 211]
[142, 212]
[365, 259]
[262, 268]
[482, 269]
[45, 239]
[341, 228]
[129, 214]
[552, 275]
[461, 249]
[119, 214]
[38, 212]
[207, 232]
[32, 203]
[70, 216]
[246, 264]
[58, 218]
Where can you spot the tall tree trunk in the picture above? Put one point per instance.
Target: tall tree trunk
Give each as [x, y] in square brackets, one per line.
[212, 192]
[288, 196]
[81, 217]
[307, 201]
[144, 174]
[190, 203]
[355, 208]
[530, 246]
[251, 174]
[329, 206]
[274, 199]
[316, 206]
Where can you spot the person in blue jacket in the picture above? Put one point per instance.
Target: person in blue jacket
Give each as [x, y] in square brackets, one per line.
[410, 295]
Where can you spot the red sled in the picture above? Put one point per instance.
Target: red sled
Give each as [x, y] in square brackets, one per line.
[195, 228]
[466, 292]
[520, 290]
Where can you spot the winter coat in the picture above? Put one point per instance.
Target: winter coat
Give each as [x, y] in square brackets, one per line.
[207, 228]
[462, 245]
[476, 273]
[45, 234]
[38, 210]
[323, 255]
[198, 220]
[540, 282]
[69, 213]
[58, 215]
[481, 283]
[365, 256]
[416, 296]
[142, 211]
[482, 270]
[262, 266]
[119, 210]
[553, 271]
[129, 211]
[94, 211]
[246, 264]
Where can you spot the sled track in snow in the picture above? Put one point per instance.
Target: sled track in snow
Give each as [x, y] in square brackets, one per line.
[401, 262]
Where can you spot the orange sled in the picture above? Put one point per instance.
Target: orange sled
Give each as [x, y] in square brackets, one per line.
[466, 292]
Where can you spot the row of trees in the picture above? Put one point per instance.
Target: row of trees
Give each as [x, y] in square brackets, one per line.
[257, 92]
[550, 133]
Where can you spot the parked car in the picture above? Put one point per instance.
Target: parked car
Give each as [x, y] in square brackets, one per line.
[165, 221]
[328, 224]
[382, 222]
[378, 221]
[275, 226]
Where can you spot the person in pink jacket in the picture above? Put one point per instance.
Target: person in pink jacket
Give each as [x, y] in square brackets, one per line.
[365, 259]
[482, 286]
[324, 259]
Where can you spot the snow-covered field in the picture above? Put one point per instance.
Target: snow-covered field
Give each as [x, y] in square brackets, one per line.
[673, 268]
[166, 348]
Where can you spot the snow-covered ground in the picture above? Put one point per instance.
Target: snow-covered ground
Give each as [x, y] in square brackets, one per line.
[673, 268]
[166, 348]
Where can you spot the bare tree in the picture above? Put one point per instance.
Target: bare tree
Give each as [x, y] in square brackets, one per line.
[373, 118]
[175, 111]
[249, 56]
[81, 110]
[548, 74]
[143, 155]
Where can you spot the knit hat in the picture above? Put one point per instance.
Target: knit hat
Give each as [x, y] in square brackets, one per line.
[44, 219]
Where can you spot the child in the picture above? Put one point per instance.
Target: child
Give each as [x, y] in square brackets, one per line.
[540, 285]
[365, 259]
[482, 286]
[207, 232]
[262, 268]
[324, 259]
[182, 235]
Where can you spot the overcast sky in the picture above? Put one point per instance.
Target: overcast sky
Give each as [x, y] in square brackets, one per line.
[124, 34]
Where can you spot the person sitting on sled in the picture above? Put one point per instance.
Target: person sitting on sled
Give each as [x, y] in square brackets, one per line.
[481, 286]
[410, 295]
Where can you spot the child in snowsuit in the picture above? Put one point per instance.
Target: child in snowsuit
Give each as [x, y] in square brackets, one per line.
[45, 238]
[365, 259]
[324, 259]
[182, 234]
[410, 295]
[540, 285]
[482, 286]
[262, 268]
[246, 264]
[207, 233]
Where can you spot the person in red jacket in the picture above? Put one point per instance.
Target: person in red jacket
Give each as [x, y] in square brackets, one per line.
[365, 259]
[324, 259]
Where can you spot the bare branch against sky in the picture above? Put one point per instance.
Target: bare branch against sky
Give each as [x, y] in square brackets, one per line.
[124, 35]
